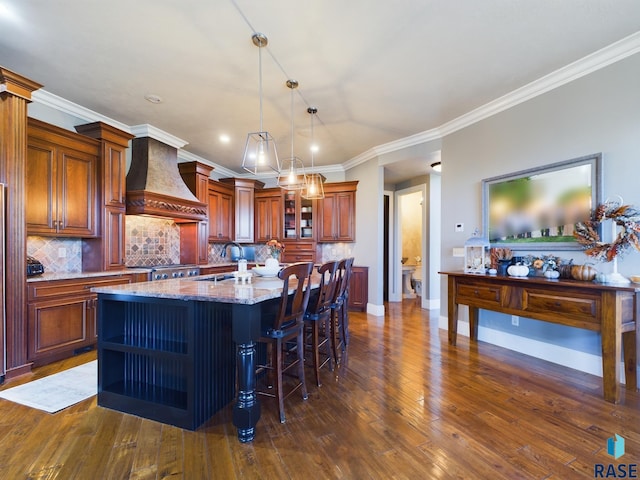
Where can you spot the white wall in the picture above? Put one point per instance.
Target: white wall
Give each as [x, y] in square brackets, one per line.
[368, 249]
[596, 113]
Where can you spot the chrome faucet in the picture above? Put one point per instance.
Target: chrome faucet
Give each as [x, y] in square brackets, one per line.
[235, 244]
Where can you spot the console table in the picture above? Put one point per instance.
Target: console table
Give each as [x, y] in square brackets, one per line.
[611, 310]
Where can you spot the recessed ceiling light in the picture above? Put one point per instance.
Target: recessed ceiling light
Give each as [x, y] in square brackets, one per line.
[224, 138]
[152, 98]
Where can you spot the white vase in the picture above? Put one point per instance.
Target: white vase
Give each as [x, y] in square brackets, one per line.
[272, 263]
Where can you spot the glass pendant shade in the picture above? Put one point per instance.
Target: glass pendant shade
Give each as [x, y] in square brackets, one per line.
[292, 175]
[260, 153]
[314, 189]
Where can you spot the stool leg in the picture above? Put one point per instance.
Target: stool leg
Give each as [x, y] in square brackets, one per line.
[305, 395]
[315, 350]
[279, 389]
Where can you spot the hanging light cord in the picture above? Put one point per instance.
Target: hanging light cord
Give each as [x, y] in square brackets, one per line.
[254, 31]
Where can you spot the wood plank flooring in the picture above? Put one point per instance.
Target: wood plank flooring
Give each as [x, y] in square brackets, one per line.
[403, 405]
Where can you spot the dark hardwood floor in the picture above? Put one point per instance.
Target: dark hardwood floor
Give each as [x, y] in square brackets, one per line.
[403, 405]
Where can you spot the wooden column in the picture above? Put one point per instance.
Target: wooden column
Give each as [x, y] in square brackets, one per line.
[15, 94]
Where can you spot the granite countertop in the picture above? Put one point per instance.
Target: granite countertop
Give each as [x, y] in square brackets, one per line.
[206, 288]
[71, 275]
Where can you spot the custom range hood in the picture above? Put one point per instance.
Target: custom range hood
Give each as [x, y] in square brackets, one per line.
[154, 184]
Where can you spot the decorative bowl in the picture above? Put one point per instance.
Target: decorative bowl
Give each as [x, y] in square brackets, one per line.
[635, 278]
[267, 271]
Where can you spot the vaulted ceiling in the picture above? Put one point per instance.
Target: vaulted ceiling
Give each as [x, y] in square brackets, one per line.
[378, 72]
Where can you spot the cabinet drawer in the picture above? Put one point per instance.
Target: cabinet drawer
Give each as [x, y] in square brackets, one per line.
[300, 247]
[80, 286]
[291, 257]
[479, 295]
[584, 308]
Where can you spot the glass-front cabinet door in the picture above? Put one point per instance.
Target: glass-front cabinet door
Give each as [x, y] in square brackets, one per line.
[298, 216]
[306, 218]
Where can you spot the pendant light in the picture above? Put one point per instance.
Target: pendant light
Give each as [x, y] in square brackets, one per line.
[292, 175]
[260, 154]
[314, 189]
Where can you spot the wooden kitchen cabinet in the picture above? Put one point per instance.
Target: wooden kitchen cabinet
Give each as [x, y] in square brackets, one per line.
[299, 251]
[359, 289]
[244, 207]
[299, 214]
[194, 236]
[61, 182]
[336, 218]
[268, 214]
[220, 200]
[61, 315]
[107, 251]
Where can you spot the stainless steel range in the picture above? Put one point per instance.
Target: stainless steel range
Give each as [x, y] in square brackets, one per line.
[163, 272]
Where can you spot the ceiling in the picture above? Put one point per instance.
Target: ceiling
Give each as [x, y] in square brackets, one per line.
[377, 72]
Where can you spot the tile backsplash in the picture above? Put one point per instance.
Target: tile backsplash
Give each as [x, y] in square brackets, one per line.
[151, 241]
[56, 254]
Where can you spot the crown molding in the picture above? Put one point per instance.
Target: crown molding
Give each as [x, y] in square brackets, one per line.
[146, 130]
[598, 60]
[50, 100]
[602, 58]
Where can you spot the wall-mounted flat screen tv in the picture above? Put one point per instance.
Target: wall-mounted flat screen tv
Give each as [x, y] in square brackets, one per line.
[537, 209]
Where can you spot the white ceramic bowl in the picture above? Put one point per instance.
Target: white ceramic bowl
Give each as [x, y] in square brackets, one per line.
[266, 272]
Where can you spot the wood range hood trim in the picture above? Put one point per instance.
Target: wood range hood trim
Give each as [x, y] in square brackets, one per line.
[154, 186]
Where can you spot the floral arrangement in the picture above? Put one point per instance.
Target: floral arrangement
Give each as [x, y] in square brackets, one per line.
[625, 216]
[544, 263]
[275, 248]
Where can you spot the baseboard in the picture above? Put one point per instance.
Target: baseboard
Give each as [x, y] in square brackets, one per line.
[431, 303]
[377, 310]
[581, 361]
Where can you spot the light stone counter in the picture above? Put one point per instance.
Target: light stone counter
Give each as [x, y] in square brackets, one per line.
[207, 288]
[72, 275]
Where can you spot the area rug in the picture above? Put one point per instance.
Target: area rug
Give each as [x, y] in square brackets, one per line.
[59, 391]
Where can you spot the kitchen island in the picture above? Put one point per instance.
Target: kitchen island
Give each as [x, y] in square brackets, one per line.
[170, 350]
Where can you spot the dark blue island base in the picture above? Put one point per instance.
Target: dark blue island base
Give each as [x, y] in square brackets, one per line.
[175, 361]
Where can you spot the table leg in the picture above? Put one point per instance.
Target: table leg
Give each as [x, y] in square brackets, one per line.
[611, 331]
[452, 308]
[473, 323]
[246, 411]
[246, 330]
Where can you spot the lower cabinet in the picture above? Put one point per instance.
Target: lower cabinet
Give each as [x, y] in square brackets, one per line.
[61, 316]
[359, 289]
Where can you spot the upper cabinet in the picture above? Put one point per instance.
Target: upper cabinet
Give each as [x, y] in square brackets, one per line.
[61, 182]
[298, 216]
[220, 201]
[336, 217]
[107, 251]
[244, 207]
[268, 214]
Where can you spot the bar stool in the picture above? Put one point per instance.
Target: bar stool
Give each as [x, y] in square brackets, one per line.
[339, 308]
[286, 327]
[318, 317]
